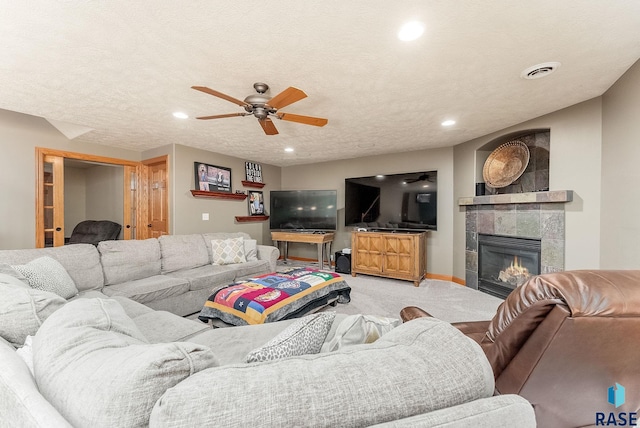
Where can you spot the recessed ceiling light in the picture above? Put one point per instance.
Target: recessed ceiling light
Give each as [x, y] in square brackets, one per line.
[411, 31]
[448, 122]
[539, 70]
[288, 149]
[180, 115]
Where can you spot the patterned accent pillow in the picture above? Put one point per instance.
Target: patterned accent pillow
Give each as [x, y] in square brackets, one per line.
[47, 274]
[304, 336]
[228, 251]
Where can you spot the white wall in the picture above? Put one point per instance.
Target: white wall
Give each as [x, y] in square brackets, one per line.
[575, 151]
[620, 208]
[331, 175]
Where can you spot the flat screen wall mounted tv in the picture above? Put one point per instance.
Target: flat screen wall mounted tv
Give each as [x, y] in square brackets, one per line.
[404, 202]
[303, 210]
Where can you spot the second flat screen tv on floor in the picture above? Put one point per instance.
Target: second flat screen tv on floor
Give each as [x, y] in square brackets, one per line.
[303, 210]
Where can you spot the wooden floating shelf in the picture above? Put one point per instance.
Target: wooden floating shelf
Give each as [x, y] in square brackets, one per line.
[252, 184]
[218, 195]
[248, 218]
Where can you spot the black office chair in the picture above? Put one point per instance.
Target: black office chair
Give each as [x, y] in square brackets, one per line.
[94, 231]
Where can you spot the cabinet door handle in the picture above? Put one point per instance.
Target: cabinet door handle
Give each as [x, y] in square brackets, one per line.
[149, 225]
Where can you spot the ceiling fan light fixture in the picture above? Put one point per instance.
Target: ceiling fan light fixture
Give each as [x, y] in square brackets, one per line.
[411, 31]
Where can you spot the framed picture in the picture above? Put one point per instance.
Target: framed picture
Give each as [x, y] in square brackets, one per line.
[256, 203]
[253, 172]
[212, 178]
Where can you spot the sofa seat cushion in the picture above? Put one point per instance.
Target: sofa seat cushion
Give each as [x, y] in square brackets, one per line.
[149, 289]
[249, 269]
[440, 368]
[23, 310]
[96, 368]
[232, 345]
[129, 260]
[206, 277]
[183, 252]
[162, 327]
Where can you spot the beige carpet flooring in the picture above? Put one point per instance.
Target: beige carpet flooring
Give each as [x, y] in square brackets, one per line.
[445, 300]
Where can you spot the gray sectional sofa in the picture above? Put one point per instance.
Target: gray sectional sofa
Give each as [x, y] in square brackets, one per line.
[103, 359]
[172, 273]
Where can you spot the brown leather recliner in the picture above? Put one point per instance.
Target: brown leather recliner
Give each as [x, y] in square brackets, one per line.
[561, 341]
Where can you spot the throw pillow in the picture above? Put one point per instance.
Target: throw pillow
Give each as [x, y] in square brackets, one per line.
[359, 329]
[251, 250]
[94, 365]
[304, 336]
[228, 251]
[23, 310]
[47, 274]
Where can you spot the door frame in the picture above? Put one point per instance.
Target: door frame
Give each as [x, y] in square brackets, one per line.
[41, 152]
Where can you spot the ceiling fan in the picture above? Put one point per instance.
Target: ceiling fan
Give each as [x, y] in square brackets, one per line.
[425, 176]
[264, 107]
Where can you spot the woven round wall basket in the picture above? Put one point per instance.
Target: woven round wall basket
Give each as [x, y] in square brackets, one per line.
[506, 164]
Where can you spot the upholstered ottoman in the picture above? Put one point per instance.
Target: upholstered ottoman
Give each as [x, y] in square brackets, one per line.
[275, 296]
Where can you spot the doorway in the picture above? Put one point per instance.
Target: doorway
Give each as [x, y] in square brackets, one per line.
[132, 201]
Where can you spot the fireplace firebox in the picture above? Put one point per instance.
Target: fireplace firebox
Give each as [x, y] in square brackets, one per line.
[505, 262]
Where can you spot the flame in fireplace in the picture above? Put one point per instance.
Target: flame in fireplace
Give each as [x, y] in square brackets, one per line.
[516, 274]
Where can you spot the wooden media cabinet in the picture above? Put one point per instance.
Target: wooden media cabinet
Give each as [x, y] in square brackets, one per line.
[399, 255]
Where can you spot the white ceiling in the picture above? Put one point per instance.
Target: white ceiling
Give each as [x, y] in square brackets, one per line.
[119, 69]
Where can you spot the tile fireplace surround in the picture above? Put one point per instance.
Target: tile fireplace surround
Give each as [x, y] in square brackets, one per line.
[537, 215]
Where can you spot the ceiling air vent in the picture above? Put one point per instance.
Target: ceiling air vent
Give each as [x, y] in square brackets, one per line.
[539, 70]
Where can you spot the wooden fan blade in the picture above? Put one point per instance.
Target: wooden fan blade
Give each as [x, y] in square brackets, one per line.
[219, 95]
[220, 116]
[286, 97]
[268, 126]
[307, 120]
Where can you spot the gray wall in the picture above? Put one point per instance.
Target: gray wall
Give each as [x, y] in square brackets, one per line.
[331, 175]
[20, 134]
[576, 143]
[75, 198]
[620, 209]
[188, 210]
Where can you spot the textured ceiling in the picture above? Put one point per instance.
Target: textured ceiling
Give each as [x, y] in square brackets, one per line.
[115, 71]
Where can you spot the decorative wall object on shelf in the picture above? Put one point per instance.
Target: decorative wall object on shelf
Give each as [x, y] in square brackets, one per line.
[212, 178]
[252, 184]
[253, 172]
[219, 195]
[256, 203]
[246, 219]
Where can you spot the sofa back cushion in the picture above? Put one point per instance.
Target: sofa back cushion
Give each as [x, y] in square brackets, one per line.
[129, 260]
[97, 369]
[423, 365]
[23, 310]
[81, 261]
[183, 252]
[208, 237]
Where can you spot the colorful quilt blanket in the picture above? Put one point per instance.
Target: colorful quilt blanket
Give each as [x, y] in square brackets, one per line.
[275, 296]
